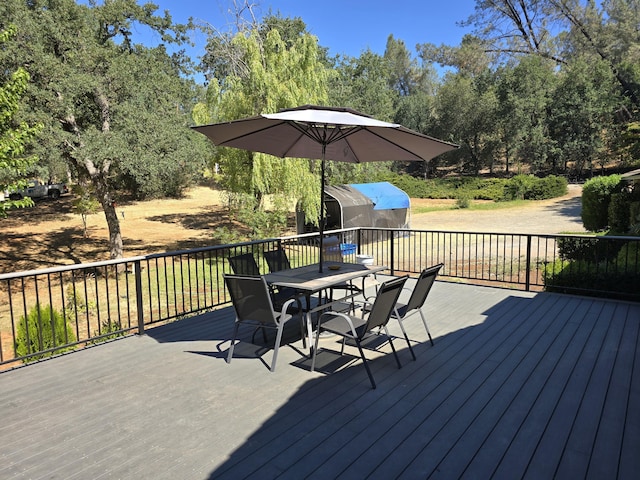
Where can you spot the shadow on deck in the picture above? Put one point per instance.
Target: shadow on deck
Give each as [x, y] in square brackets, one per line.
[517, 385]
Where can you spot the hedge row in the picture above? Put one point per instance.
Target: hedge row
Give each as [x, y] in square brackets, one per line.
[527, 187]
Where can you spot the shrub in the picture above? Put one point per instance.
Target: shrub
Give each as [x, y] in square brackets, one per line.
[463, 200]
[619, 213]
[589, 249]
[604, 268]
[43, 329]
[587, 277]
[114, 329]
[517, 187]
[528, 187]
[596, 195]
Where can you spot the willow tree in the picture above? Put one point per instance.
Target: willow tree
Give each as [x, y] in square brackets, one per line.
[263, 73]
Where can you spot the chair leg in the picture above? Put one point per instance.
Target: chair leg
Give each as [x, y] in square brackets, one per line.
[315, 349]
[406, 337]
[366, 365]
[393, 348]
[424, 321]
[276, 347]
[233, 342]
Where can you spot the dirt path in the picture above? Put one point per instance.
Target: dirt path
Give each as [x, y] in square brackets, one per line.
[559, 215]
[49, 234]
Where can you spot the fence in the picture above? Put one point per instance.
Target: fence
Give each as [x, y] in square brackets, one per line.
[60, 309]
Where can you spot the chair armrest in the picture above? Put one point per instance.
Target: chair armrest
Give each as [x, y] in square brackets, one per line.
[284, 316]
[344, 316]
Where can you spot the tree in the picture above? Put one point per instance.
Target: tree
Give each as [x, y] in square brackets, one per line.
[561, 29]
[84, 204]
[580, 113]
[265, 73]
[14, 137]
[524, 97]
[113, 111]
[466, 113]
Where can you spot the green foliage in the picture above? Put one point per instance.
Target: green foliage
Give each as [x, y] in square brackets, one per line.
[110, 330]
[634, 218]
[525, 187]
[84, 204]
[529, 187]
[613, 277]
[463, 200]
[115, 113]
[263, 223]
[619, 213]
[42, 329]
[279, 72]
[227, 236]
[15, 136]
[596, 195]
[588, 249]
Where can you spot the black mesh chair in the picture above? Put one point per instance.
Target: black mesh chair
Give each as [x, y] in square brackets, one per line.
[252, 304]
[244, 264]
[356, 328]
[277, 260]
[418, 298]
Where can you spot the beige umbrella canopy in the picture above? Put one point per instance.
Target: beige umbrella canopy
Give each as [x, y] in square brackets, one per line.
[325, 133]
[632, 175]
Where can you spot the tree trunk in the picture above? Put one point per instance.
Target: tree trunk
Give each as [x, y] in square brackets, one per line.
[116, 249]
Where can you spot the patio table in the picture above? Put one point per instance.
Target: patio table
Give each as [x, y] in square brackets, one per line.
[308, 280]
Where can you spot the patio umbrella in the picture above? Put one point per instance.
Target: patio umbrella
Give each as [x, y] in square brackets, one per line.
[325, 133]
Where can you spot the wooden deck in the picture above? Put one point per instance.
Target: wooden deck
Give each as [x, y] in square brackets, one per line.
[518, 385]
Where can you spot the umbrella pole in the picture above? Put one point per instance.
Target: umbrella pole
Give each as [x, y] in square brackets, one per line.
[321, 219]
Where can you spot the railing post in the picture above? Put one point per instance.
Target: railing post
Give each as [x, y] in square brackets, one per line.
[393, 253]
[139, 307]
[527, 282]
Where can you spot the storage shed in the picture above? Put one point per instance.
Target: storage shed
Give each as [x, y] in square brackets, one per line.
[363, 205]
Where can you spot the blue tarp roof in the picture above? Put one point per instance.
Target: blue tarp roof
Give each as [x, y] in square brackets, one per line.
[383, 195]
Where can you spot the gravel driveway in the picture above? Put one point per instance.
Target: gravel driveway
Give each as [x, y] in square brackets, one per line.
[559, 215]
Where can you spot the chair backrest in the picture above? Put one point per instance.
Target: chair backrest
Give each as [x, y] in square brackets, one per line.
[277, 260]
[245, 264]
[386, 299]
[251, 299]
[423, 287]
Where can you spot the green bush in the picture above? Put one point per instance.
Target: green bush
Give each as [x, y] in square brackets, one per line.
[43, 329]
[592, 250]
[584, 277]
[599, 268]
[518, 187]
[463, 200]
[529, 187]
[596, 195]
[619, 213]
[114, 329]
[477, 188]
[634, 218]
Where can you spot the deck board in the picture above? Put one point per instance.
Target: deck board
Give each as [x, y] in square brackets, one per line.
[518, 385]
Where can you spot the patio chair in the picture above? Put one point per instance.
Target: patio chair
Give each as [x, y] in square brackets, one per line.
[277, 260]
[356, 328]
[252, 304]
[244, 264]
[417, 299]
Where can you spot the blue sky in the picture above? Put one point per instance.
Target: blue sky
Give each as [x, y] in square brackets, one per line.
[345, 26]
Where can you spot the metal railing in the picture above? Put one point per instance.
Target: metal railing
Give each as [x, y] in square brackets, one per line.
[64, 308]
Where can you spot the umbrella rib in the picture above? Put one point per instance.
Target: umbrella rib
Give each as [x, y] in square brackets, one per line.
[323, 134]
